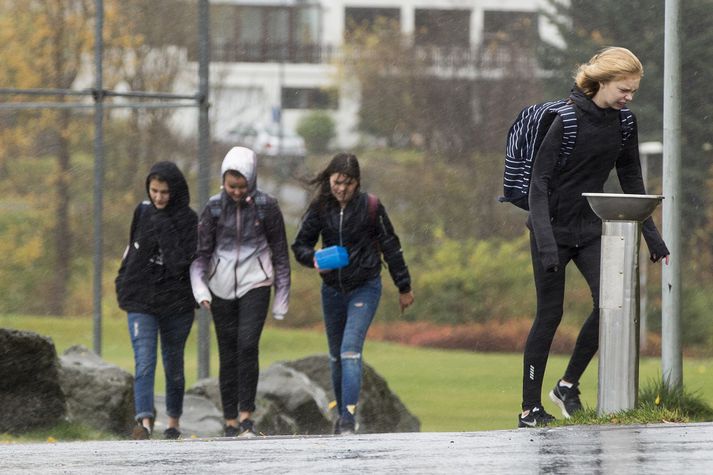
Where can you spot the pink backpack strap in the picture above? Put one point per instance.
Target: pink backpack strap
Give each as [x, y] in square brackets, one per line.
[372, 205]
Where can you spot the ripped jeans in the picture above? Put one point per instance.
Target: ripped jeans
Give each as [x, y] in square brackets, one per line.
[145, 330]
[347, 316]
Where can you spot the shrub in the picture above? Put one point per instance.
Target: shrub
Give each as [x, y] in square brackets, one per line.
[317, 128]
[474, 281]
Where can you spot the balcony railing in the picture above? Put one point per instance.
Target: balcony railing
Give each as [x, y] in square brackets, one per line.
[490, 57]
[272, 53]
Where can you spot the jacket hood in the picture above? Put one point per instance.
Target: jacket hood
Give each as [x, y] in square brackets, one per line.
[244, 161]
[179, 196]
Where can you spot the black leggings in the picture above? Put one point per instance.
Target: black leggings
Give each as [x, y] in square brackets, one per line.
[238, 326]
[550, 299]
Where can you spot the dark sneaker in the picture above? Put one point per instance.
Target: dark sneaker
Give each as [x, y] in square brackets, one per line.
[230, 431]
[246, 428]
[345, 427]
[171, 433]
[567, 399]
[336, 430]
[140, 432]
[536, 418]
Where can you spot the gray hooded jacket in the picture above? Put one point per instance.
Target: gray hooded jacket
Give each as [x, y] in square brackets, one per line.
[243, 247]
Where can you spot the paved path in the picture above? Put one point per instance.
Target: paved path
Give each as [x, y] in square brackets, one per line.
[680, 449]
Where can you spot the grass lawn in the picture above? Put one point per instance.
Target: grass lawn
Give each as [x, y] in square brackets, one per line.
[446, 390]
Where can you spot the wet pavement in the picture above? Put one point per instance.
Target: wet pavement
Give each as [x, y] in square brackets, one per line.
[665, 448]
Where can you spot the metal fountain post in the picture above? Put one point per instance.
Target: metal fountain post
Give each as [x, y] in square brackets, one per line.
[621, 215]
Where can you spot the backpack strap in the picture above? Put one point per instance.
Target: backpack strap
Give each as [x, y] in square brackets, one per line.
[569, 132]
[372, 206]
[627, 125]
[260, 201]
[214, 206]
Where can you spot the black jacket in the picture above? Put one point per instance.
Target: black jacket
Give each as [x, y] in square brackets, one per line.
[154, 277]
[559, 214]
[365, 238]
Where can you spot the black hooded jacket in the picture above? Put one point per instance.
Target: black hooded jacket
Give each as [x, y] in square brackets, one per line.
[365, 237]
[154, 273]
[559, 214]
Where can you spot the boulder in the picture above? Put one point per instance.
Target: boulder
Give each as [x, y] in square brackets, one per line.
[379, 409]
[201, 417]
[30, 392]
[269, 417]
[295, 397]
[99, 394]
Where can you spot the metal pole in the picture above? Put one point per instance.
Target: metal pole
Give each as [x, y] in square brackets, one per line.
[671, 364]
[643, 269]
[203, 164]
[98, 174]
[619, 317]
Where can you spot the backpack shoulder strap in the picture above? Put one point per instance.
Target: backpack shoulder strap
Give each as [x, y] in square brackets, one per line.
[569, 131]
[261, 200]
[372, 206]
[627, 124]
[214, 205]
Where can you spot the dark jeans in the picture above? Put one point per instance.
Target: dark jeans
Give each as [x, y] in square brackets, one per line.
[550, 298]
[347, 316]
[144, 330]
[238, 326]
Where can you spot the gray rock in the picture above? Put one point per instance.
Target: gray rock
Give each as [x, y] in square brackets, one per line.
[268, 416]
[201, 417]
[295, 397]
[99, 394]
[207, 388]
[30, 393]
[379, 410]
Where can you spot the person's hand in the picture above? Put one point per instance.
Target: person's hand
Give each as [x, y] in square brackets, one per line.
[205, 304]
[321, 271]
[655, 258]
[405, 300]
[278, 316]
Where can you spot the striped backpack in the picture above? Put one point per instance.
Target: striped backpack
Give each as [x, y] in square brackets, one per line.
[525, 137]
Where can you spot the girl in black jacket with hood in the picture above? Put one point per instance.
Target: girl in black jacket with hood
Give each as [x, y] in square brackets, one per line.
[563, 226]
[342, 215]
[154, 288]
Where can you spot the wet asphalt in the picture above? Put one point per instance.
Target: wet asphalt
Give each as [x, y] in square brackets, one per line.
[664, 448]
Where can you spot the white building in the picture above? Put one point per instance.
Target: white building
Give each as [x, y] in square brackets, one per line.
[277, 55]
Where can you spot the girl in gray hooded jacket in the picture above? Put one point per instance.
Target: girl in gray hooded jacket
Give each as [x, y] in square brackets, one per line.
[242, 252]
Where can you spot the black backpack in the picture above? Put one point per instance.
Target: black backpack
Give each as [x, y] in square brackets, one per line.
[525, 137]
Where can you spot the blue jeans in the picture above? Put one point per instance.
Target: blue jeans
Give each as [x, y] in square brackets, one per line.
[347, 316]
[144, 330]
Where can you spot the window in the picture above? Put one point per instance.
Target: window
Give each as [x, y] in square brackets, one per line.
[309, 98]
[442, 27]
[370, 19]
[510, 28]
[266, 34]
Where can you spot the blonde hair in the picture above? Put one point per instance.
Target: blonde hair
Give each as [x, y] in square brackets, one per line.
[607, 65]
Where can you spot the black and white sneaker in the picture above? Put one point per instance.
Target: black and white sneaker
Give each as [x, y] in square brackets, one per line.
[230, 431]
[567, 399]
[347, 427]
[172, 434]
[537, 417]
[246, 428]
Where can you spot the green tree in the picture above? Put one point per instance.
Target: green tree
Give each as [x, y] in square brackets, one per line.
[44, 155]
[317, 128]
[639, 25]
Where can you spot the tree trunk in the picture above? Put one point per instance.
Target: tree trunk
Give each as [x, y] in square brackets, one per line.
[62, 232]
